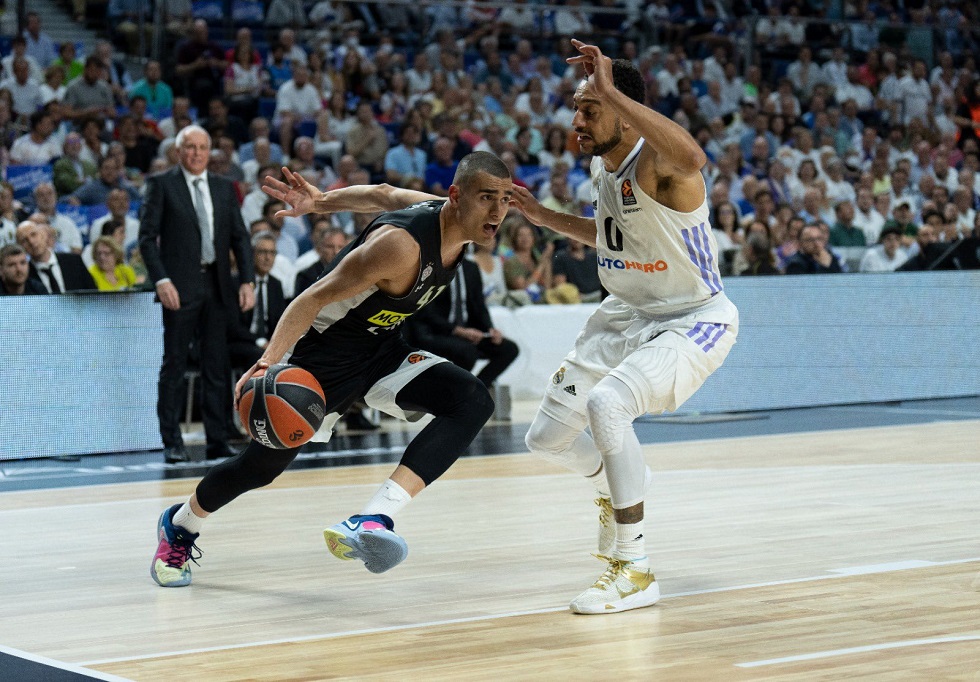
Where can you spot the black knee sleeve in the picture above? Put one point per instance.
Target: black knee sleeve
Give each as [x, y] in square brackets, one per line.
[254, 467]
[461, 405]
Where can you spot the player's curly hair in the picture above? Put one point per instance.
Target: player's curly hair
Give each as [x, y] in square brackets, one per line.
[628, 80]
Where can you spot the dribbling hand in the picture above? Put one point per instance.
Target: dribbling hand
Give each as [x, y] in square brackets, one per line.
[296, 192]
[260, 365]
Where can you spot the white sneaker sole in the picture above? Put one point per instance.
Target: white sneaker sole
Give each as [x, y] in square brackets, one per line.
[380, 550]
[637, 600]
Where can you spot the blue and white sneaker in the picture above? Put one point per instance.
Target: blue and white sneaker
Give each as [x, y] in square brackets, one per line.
[176, 550]
[370, 538]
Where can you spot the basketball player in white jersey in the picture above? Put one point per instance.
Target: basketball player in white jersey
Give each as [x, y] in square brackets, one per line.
[664, 328]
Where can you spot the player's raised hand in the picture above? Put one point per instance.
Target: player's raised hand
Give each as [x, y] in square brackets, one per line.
[523, 200]
[296, 192]
[596, 64]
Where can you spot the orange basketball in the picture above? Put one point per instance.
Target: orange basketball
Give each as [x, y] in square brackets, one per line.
[282, 407]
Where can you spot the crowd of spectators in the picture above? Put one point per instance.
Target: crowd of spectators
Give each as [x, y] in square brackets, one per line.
[834, 143]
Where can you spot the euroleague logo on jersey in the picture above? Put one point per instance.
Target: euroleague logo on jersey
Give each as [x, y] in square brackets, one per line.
[629, 199]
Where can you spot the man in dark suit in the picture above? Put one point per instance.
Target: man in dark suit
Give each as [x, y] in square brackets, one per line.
[457, 326]
[327, 243]
[14, 272]
[57, 272]
[254, 327]
[188, 224]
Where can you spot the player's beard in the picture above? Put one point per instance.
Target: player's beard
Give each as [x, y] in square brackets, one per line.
[600, 148]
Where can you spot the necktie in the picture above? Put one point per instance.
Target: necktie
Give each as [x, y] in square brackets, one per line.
[458, 318]
[207, 245]
[53, 285]
[261, 328]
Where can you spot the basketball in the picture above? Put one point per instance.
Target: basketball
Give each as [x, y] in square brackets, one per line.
[282, 407]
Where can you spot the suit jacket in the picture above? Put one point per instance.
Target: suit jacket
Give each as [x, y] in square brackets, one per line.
[433, 319]
[32, 287]
[307, 277]
[276, 306]
[73, 271]
[170, 238]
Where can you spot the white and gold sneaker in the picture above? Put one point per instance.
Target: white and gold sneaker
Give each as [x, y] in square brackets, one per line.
[624, 585]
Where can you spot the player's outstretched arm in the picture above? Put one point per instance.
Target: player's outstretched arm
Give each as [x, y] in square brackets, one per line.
[305, 198]
[678, 154]
[582, 229]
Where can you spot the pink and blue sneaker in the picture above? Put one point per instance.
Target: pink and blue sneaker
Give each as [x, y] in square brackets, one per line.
[171, 563]
[370, 538]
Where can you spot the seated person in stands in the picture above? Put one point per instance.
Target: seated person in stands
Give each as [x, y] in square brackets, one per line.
[888, 255]
[528, 272]
[813, 258]
[56, 272]
[577, 265]
[923, 258]
[15, 271]
[110, 271]
[249, 332]
[96, 190]
[491, 265]
[845, 233]
[327, 243]
[440, 171]
[758, 256]
[457, 326]
[67, 236]
[71, 171]
[39, 146]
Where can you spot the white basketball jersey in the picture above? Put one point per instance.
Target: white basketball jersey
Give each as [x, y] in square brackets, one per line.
[653, 258]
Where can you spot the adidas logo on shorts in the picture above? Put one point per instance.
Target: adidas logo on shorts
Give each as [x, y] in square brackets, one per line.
[570, 389]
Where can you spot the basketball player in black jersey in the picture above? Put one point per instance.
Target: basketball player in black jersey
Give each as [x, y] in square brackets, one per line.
[344, 329]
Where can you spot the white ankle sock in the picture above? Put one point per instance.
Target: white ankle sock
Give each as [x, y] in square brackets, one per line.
[630, 544]
[390, 499]
[188, 520]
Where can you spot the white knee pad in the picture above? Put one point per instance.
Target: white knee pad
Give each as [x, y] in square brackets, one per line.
[568, 446]
[611, 409]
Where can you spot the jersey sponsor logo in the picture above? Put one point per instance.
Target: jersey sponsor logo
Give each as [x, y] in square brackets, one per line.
[626, 190]
[387, 318]
[570, 389]
[415, 358]
[620, 264]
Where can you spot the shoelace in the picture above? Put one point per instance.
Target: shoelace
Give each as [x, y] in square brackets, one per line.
[605, 510]
[182, 551]
[613, 571]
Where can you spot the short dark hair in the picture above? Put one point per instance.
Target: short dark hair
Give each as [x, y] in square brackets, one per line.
[10, 250]
[628, 80]
[479, 162]
[889, 230]
[110, 226]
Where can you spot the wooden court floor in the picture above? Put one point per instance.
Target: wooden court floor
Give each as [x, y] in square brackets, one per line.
[836, 555]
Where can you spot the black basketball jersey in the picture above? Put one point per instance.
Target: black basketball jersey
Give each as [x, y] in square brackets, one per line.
[365, 321]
